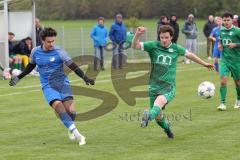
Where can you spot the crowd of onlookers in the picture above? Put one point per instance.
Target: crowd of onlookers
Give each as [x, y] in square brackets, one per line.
[118, 34]
[19, 52]
[191, 32]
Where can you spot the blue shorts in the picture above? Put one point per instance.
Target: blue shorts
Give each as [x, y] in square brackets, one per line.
[62, 94]
[217, 53]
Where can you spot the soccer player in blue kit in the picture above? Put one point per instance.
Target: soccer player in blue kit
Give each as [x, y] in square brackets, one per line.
[215, 36]
[49, 60]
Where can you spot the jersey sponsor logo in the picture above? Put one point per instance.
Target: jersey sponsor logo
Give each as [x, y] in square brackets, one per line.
[52, 59]
[164, 59]
[171, 50]
[226, 41]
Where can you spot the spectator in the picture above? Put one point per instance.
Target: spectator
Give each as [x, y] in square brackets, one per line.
[190, 31]
[99, 35]
[117, 35]
[23, 50]
[207, 29]
[175, 25]
[163, 21]
[215, 36]
[14, 60]
[38, 30]
[235, 20]
[238, 22]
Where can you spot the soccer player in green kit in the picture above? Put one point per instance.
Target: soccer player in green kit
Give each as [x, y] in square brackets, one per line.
[230, 60]
[163, 55]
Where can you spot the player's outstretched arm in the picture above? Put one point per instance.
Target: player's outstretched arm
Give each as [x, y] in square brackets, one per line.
[27, 70]
[234, 45]
[136, 39]
[198, 60]
[80, 73]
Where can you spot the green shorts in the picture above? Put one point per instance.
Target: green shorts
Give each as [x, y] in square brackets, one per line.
[154, 93]
[227, 68]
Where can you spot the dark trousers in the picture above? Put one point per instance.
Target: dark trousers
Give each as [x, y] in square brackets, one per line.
[117, 59]
[210, 44]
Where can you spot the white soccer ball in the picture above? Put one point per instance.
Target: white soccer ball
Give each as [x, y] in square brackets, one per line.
[16, 72]
[206, 90]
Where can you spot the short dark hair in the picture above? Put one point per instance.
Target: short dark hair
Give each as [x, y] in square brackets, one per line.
[163, 17]
[227, 14]
[11, 34]
[28, 38]
[166, 28]
[48, 32]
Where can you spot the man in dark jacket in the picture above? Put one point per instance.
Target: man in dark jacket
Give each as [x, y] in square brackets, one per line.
[38, 31]
[162, 21]
[118, 35]
[175, 25]
[207, 29]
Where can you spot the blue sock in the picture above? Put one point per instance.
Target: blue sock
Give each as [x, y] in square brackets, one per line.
[67, 121]
[72, 115]
[216, 66]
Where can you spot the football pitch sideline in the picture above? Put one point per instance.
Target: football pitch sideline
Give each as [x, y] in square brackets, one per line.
[30, 130]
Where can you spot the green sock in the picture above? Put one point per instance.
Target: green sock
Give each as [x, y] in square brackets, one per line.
[223, 92]
[154, 112]
[15, 65]
[238, 92]
[163, 123]
[19, 66]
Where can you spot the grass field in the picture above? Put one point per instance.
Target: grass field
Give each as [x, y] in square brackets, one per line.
[30, 130]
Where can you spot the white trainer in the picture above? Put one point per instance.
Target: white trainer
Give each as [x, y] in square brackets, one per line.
[187, 61]
[82, 141]
[71, 136]
[237, 104]
[222, 107]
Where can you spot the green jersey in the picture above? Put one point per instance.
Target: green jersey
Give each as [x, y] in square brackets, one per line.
[164, 63]
[228, 36]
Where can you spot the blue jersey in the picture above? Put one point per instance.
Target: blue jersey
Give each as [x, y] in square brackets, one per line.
[50, 66]
[216, 34]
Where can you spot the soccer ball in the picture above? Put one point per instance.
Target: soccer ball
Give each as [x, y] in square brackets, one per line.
[16, 72]
[206, 90]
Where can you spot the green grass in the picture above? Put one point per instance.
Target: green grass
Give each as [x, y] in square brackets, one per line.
[30, 130]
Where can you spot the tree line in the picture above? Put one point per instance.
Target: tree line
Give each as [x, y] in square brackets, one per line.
[90, 9]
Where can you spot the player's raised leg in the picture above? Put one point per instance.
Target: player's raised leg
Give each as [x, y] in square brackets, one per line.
[67, 120]
[155, 110]
[71, 111]
[161, 119]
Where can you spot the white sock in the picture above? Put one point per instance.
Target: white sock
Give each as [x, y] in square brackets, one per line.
[77, 134]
